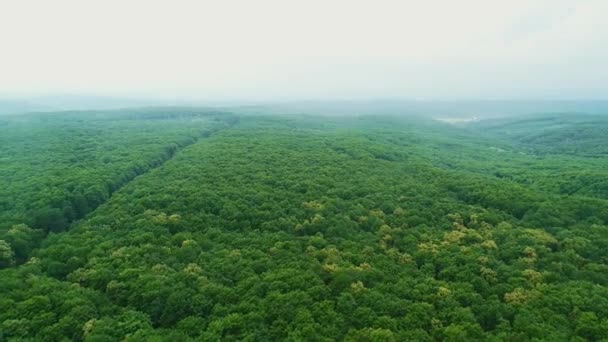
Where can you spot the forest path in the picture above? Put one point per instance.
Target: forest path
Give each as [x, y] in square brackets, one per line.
[159, 162]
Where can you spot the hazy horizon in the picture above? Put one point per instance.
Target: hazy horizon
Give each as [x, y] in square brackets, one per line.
[290, 51]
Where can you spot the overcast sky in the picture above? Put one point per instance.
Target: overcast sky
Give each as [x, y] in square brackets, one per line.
[308, 49]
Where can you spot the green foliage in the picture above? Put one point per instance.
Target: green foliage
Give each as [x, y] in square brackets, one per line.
[306, 228]
[55, 168]
[7, 256]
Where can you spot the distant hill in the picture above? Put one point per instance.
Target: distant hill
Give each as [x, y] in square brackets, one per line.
[425, 108]
[447, 109]
[16, 107]
[10, 106]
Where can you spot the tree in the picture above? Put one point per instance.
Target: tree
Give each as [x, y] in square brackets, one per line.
[7, 256]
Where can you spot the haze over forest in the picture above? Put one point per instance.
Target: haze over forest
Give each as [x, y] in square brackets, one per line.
[271, 50]
[360, 171]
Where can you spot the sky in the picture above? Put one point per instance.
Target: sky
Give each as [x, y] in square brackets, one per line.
[308, 49]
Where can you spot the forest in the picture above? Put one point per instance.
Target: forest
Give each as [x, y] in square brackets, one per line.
[243, 224]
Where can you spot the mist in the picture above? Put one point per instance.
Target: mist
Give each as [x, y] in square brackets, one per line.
[312, 170]
[243, 52]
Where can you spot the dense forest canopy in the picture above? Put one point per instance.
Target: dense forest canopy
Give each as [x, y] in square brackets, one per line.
[196, 224]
